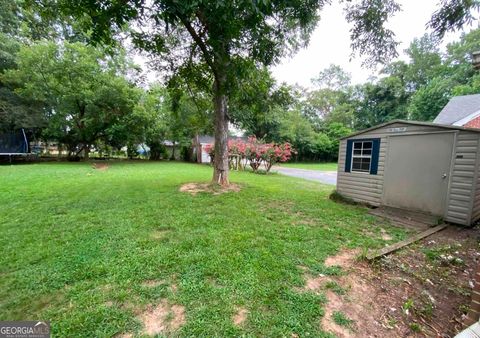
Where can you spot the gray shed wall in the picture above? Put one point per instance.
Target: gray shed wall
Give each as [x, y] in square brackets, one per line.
[476, 196]
[463, 199]
[463, 182]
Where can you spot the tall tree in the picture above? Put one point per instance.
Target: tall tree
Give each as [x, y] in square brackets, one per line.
[380, 102]
[81, 87]
[333, 77]
[453, 76]
[425, 62]
[453, 15]
[258, 103]
[223, 34]
[329, 101]
[15, 111]
[430, 99]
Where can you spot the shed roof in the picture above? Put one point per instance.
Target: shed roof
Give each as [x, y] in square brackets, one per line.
[458, 108]
[413, 123]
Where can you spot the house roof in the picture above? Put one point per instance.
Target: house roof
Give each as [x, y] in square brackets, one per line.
[413, 123]
[458, 108]
[168, 143]
[206, 139]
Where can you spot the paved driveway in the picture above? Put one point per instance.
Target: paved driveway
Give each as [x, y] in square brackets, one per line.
[327, 177]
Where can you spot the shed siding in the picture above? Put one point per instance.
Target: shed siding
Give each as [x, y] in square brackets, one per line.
[463, 206]
[476, 196]
[463, 179]
[363, 187]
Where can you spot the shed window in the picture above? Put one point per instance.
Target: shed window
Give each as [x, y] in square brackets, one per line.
[362, 156]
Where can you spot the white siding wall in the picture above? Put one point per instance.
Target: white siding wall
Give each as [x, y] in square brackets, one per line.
[463, 179]
[361, 187]
[464, 191]
[205, 156]
[476, 205]
[475, 216]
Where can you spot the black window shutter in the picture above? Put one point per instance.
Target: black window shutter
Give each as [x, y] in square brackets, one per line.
[375, 154]
[348, 158]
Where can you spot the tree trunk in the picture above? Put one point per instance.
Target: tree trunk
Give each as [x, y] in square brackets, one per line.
[198, 149]
[173, 151]
[86, 153]
[220, 161]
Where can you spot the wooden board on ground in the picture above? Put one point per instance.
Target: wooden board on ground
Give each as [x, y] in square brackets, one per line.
[401, 244]
[406, 218]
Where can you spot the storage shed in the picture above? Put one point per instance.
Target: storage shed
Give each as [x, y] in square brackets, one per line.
[416, 166]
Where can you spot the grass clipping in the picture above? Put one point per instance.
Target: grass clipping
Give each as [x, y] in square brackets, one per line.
[214, 189]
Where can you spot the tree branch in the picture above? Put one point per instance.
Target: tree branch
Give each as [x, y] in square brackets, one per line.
[201, 44]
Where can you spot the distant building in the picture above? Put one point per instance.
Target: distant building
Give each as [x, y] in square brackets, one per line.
[199, 144]
[199, 148]
[461, 111]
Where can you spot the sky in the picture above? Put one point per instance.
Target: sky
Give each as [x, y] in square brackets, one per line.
[330, 43]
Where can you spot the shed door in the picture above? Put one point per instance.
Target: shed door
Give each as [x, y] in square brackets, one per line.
[417, 172]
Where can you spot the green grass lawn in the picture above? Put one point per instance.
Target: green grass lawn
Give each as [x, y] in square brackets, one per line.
[322, 166]
[78, 246]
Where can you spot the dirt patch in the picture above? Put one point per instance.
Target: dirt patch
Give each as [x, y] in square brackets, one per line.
[348, 295]
[159, 234]
[163, 318]
[358, 305]
[153, 283]
[128, 306]
[303, 268]
[429, 283]
[328, 324]
[315, 283]
[240, 316]
[174, 288]
[124, 335]
[344, 259]
[421, 290]
[105, 287]
[385, 236]
[195, 188]
[100, 166]
[303, 219]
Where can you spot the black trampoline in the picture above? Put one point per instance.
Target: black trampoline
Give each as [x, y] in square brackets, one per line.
[13, 144]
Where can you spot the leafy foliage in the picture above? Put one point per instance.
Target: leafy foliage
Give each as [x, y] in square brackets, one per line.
[83, 95]
[369, 35]
[453, 15]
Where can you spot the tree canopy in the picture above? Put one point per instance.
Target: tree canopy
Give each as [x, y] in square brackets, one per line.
[82, 92]
[66, 75]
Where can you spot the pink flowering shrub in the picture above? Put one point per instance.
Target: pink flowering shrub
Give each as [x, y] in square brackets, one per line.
[255, 152]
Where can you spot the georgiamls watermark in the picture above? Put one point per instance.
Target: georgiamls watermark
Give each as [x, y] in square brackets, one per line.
[24, 329]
